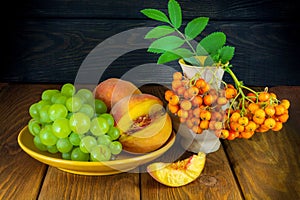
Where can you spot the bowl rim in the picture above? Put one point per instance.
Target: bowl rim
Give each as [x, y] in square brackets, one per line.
[136, 157]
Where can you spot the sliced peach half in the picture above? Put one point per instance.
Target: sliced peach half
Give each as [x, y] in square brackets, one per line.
[143, 123]
[178, 173]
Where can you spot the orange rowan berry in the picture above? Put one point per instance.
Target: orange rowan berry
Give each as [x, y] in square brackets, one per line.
[205, 115]
[197, 100]
[185, 104]
[252, 96]
[278, 126]
[234, 117]
[180, 90]
[208, 99]
[260, 113]
[173, 108]
[252, 107]
[224, 133]
[204, 124]
[283, 118]
[285, 103]
[200, 83]
[218, 125]
[243, 121]
[230, 93]
[270, 123]
[193, 91]
[251, 126]
[263, 96]
[174, 100]
[196, 112]
[176, 84]
[222, 100]
[177, 76]
[270, 110]
[279, 109]
[168, 94]
[182, 113]
[247, 134]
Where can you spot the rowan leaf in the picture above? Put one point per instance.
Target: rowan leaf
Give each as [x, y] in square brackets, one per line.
[167, 57]
[226, 53]
[212, 42]
[159, 31]
[175, 14]
[195, 27]
[156, 15]
[166, 43]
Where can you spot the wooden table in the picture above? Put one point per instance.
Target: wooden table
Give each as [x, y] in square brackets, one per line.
[266, 166]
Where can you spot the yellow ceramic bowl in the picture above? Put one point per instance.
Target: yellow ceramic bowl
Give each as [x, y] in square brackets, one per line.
[124, 163]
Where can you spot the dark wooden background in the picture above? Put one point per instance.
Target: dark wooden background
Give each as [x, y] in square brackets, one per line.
[47, 41]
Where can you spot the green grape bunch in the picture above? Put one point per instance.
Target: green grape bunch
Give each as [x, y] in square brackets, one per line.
[74, 124]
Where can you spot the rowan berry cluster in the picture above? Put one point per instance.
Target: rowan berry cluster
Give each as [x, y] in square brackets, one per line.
[227, 111]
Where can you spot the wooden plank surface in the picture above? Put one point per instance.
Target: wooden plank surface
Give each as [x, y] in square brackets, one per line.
[63, 185]
[20, 175]
[267, 165]
[52, 51]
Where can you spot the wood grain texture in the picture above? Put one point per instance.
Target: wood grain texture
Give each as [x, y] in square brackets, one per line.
[62, 185]
[52, 51]
[20, 175]
[221, 10]
[267, 165]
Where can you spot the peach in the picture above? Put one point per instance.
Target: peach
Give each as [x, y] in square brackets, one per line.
[111, 90]
[143, 123]
[179, 173]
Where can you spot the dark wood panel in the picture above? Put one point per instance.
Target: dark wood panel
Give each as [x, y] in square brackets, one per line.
[53, 50]
[221, 10]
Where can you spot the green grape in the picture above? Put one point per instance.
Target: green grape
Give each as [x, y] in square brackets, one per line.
[59, 98]
[115, 147]
[34, 111]
[100, 153]
[74, 139]
[47, 94]
[78, 155]
[47, 137]
[87, 143]
[99, 126]
[88, 110]
[52, 149]
[104, 139]
[64, 145]
[110, 119]
[79, 123]
[100, 106]
[38, 144]
[56, 111]
[34, 127]
[42, 103]
[114, 133]
[68, 89]
[66, 156]
[86, 96]
[73, 104]
[44, 117]
[61, 128]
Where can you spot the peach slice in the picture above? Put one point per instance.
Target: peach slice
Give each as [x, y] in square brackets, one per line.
[143, 123]
[178, 173]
